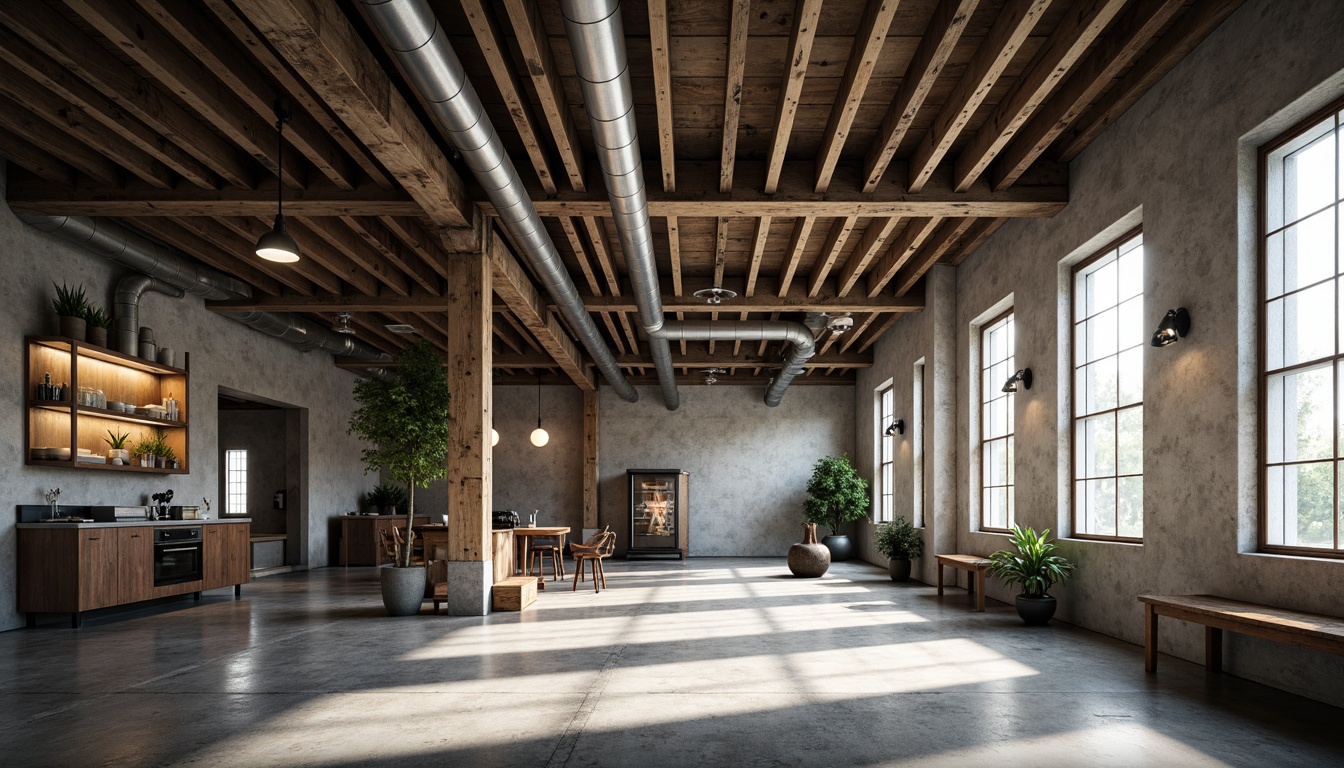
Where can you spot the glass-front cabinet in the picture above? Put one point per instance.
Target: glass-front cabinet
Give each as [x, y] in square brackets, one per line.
[658, 513]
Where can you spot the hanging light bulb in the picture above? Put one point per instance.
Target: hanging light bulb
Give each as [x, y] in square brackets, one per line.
[494, 437]
[277, 245]
[539, 436]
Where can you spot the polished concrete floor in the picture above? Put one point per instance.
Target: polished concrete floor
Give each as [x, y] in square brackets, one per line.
[715, 662]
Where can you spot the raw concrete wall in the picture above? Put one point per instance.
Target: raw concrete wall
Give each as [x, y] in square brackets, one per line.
[749, 463]
[1181, 161]
[262, 434]
[223, 353]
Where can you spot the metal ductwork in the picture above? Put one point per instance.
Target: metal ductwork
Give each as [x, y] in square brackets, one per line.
[597, 39]
[164, 270]
[411, 31]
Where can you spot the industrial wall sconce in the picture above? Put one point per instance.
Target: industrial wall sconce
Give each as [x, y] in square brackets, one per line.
[1174, 326]
[1023, 375]
[896, 427]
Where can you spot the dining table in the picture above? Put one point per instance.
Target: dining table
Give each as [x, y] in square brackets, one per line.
[524, 535]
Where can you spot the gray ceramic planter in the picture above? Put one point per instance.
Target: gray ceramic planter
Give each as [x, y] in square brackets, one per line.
[403, 589]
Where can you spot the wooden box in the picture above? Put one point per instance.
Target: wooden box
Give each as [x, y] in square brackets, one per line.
[514, 593]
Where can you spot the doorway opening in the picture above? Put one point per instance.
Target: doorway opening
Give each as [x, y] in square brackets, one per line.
[263, 475]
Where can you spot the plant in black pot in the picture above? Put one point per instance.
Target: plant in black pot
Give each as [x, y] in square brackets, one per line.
[70, 306]
[1035, 566]
[404, 418]
[97, 323]
[838, 496]
[899, 542]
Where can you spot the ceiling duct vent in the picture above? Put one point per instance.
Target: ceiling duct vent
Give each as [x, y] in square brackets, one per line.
[840, 324]
[401, 328]
[715, 295]
[342, 324]
[712, 375]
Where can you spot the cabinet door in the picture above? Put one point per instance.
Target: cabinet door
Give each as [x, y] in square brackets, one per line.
[135, 564]
[237, 553]
[214, 570]
[97, 568]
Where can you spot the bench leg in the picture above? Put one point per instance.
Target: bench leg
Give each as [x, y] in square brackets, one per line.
[1149, 637]
[980, 591]
[940, 579]
[1213, 649]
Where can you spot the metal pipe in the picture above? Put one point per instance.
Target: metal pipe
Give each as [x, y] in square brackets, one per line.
[126, 307]
[412, 33]
[797, 334]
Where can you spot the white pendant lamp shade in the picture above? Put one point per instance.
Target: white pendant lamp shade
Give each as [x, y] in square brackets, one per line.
[540, 437]
[494, 437]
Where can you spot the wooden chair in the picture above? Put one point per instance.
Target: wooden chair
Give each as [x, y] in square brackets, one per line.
[539, 552]
[393, 543]
[593, 551]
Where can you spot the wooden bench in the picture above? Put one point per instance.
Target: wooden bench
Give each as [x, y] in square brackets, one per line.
[268, 550]
[1305, 630]
[975, 566]
[514, 593]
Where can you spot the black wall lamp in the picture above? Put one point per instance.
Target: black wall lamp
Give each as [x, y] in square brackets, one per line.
[1174, 326]
[1023, 375]
[896, 427]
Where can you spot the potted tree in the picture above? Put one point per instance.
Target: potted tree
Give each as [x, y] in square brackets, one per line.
[70, 305]
[1035, 566]
[404, 418]
[900, 543]
[838, 496]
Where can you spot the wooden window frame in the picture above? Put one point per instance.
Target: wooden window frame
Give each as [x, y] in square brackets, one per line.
[886, 454]
[1334, 361]
[1074, 417]
[1009, 438]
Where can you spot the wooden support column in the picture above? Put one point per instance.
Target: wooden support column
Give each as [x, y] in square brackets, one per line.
[589, 463]
[470, 380]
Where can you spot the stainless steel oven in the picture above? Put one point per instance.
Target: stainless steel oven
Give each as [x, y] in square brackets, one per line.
[177, 555]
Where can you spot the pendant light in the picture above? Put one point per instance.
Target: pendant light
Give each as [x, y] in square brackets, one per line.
[277, 245]
[494, 437]
[539, 436]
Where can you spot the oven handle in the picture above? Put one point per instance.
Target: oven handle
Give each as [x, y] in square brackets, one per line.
[180, 549]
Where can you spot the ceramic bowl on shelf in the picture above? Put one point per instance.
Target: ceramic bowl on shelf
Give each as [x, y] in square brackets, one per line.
[116, 405]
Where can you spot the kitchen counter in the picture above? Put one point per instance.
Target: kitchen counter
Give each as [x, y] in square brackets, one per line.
[135, 523]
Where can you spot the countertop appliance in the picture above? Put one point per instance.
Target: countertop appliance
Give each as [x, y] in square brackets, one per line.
[184, 513]
[116, 514]
[177, 555]
[503, 519]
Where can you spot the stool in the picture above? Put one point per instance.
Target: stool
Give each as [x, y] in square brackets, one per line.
[537, 559]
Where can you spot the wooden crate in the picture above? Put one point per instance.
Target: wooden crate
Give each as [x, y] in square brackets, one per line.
[514, 593]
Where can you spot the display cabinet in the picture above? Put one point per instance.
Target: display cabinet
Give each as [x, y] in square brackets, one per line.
[78, 392]
[659, 502]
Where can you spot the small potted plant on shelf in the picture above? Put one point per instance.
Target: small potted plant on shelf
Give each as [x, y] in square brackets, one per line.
[899, 542]
[1035, 566]
[144, 449]
[70, 305]
[98, 323]
[169, 458]
[116, 444]
[404, 419]
[838, 496]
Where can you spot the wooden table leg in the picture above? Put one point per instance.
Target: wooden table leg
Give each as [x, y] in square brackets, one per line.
[1213, 649]
[1149, 637]
[940, 579]
[980, 591]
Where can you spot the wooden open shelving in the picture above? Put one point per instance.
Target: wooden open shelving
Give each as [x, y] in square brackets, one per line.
[124, 378]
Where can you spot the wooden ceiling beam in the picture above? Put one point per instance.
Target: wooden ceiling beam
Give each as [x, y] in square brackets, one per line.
[338, 235]
[414, 235]
[802, 229]
[597, 237]
[329, 250]
[69, 149]
[853, 336]
[662, 90]
[874, 237]
[674, 253]
[902, 249]
[974, 237]
[372, 328]
[700, 360]
[617, 340]
[740, 19]
[630, 334]
[580, 252]
[530, 33]
[1062, 50]
[1130, 34]
[509, 378]
[758, 240]
[878, 333]
[806, 14]
[376, 235]
[213, 254]
[496, 53]
[936, 47]
[242, 251]
[720, 248]
[1010, 30]
[863, 57]
[44, 28]
[321, 45]
[25, 154]
[251, 229]
[934, 249]
[220, 57]
[507, 335]
[1188, 31]
[830, 252]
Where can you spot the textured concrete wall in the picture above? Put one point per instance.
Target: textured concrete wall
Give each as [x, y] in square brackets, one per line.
[262, 434]
[223, 353]
[749, 463]
[1181, 161]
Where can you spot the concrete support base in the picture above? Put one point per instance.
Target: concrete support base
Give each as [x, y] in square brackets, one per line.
[469, 585]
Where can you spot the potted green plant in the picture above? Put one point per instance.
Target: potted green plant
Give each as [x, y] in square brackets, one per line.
[404, 419]
[70, 305]
[838, 495]
[98, 323]
[899, 542]
[386, 499]
[1034, 565]
[116, 444]
[169, 457]
[144, 450]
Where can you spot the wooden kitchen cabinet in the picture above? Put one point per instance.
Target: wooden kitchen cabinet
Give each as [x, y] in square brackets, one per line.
[97, 567]
[226, 554]
[135, 564]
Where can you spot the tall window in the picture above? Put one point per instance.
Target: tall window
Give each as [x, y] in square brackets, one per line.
[235, 482]
[1300, 323]
[886, 410]
[997, 345]
[1108, 339]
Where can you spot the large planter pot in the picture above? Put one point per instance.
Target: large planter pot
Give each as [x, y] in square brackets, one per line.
[95, 335]
[73, 327]
[900, 568]
[403, 589]
[841, 548]
[809, 559]
[1035, 610]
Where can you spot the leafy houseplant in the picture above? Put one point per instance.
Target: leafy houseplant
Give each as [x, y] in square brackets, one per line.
[117, 446]
[404, 418]
[838, 495]
[98, 322]
[70, 305]
[145, 449]
[899, 542]
[387, 498]
[1035, 566]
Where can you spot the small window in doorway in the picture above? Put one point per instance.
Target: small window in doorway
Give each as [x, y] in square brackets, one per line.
[235, 482]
